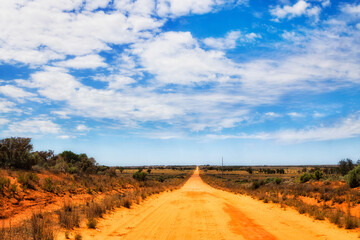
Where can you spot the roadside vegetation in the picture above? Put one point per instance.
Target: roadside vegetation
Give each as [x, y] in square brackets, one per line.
[323, 192]
[33, 180]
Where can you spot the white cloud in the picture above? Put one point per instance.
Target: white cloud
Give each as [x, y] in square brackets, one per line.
[252, 36]
[15, 92]
[4, 121]
[61, 114]
[39, 31]
[82, 128]
[175, 8]
[83, 62]
[347, 128]
[298, 9]
[293, 36]
[295, 114]
[231, 39]
[7, 106]
[224, 43]
[231, 89]
[175, 57]
[272, 114]
[116, 81]
[34, 126]
[54, 83]
[65, 137]
[352, 9]
[91, 5]
[190, 87]
[314, 12]
[325, 3]
[325, 62]
[318, 115]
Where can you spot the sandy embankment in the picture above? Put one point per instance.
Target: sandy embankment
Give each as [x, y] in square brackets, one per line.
[198, 211]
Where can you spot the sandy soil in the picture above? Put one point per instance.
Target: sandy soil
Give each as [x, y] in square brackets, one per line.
[198, 211]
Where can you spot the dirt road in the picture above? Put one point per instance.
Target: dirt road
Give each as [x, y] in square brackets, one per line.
[198, 211]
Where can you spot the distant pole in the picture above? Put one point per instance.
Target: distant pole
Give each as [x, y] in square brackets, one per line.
[222, 168]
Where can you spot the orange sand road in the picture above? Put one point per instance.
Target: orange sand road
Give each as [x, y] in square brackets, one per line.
[198, 211]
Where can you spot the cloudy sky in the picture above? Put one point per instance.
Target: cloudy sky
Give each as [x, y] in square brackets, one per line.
[135, 82]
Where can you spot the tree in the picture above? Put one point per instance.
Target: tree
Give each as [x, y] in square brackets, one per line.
[16, 152]
[345, 166]
[71, 157]
[43, 158]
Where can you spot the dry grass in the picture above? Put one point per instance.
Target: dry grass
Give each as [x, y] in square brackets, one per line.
[327, 197]
[127, 192]
[39, 227]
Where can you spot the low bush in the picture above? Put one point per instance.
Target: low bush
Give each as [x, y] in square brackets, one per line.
[78, 236]
[161, 179]
[353, 177]
[13, 188]
[69, 216]
[27, 180]
[305, 177]
[140, 176]
[335, 218]
[48, 185]
[95, 210]
[256, 184]
[91, 223]
[317, 175]
[127, 202]
[41, 228]
[351, 222]
[4, 184]
[273, 180]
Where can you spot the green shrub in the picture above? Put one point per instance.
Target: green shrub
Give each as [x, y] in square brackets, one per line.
[256, 184]
[305, 177]
[91, 223]
[274, 180]
[127, 202]
[27, 180]
[72, 170]
[336, 218]
[353, 177]
[140, 176]
[4, 183]
[351, 222]
[69, 216]
[78, 236]
[48, 185]
[278, 181]
[95, 210]
[13, 188]
[41, 227]
[161, 179]
[317, 175]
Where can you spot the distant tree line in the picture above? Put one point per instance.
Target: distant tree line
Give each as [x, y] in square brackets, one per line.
[17, 153]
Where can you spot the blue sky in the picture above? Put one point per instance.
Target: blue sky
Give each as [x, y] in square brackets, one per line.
[183, 82]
